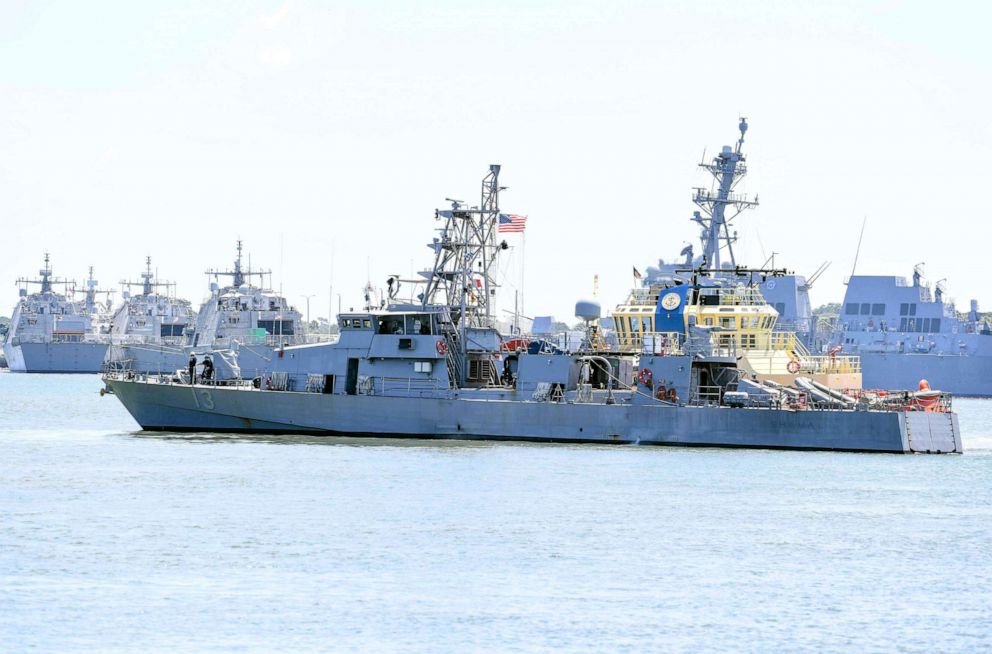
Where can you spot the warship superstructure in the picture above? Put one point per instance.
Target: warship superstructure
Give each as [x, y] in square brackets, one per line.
[906, 329]
[244, 316]
[778, 345]
[718, 206]
[148, 322]
[51, 332]
[435, 366]
[726, 310]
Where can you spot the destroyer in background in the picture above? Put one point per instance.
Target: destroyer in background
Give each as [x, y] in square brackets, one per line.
[244, 317]
[903, 330]
[435, 366]
[775, 338]
[50, 332]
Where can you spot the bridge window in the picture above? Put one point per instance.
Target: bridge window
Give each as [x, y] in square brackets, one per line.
[418, 324]
[865, 308]
[391, 326]
[935, 325]
[851, 309]
[878, 309]
[646, 324]
[172, 330]
[277, 327]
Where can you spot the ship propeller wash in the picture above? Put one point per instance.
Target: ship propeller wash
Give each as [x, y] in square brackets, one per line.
[436, 367]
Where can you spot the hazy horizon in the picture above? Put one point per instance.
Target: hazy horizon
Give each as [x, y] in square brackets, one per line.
[325, 134]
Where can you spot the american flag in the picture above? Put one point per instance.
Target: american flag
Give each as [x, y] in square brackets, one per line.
[509, 222]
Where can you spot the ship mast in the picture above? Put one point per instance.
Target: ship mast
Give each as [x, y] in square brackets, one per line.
[728, 169]
[92, 291]
[147, 284]
[46, 276]
[465, 255]
[239, 275]
[46, 280]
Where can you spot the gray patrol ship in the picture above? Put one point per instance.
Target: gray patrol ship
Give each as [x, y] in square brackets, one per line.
[50, 332]
[435, 366]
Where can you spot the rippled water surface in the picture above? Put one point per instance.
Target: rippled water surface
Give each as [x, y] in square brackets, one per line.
[111, 540]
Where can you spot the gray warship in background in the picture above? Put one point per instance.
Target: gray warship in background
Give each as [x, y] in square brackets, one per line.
[903, 331]
[149, 322]
[433, 365]
[244, 318]
[50, 332]
[906, 330]
[718, 206]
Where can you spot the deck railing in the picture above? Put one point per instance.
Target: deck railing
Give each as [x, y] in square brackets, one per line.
[662, 343]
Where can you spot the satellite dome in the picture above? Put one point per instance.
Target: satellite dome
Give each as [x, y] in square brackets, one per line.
[587, 310]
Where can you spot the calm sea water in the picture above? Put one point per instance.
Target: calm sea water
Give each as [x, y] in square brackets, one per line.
[111, 540]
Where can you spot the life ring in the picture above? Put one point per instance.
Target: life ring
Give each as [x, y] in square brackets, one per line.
[793, 367]
[671, 395]
[645, 376]
[441, 346]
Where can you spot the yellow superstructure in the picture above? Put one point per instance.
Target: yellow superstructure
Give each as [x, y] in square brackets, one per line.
[728, 321]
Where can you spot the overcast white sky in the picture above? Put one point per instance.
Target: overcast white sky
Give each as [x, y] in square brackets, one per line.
[171, 129]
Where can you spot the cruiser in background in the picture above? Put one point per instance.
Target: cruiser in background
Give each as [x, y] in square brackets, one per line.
[148, 323]
[50, 332]
[905, 330]
[245, 317]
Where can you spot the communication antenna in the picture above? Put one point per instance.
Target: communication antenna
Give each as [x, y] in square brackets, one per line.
[816, 274]
[857, 253]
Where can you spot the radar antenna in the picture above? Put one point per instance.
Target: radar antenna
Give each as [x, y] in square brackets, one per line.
[728, 169]
[149, 282]
[239, 275]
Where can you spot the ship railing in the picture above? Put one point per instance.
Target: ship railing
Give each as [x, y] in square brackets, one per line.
[833, 365]
[408, 386]
[660, 343]
[882, 400]
[706, 195]
[641, 297]
[740, 296]
[706, 396]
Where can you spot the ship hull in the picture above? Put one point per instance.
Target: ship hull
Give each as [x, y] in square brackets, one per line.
[55, 357]
[168, 407]
[969, 376]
